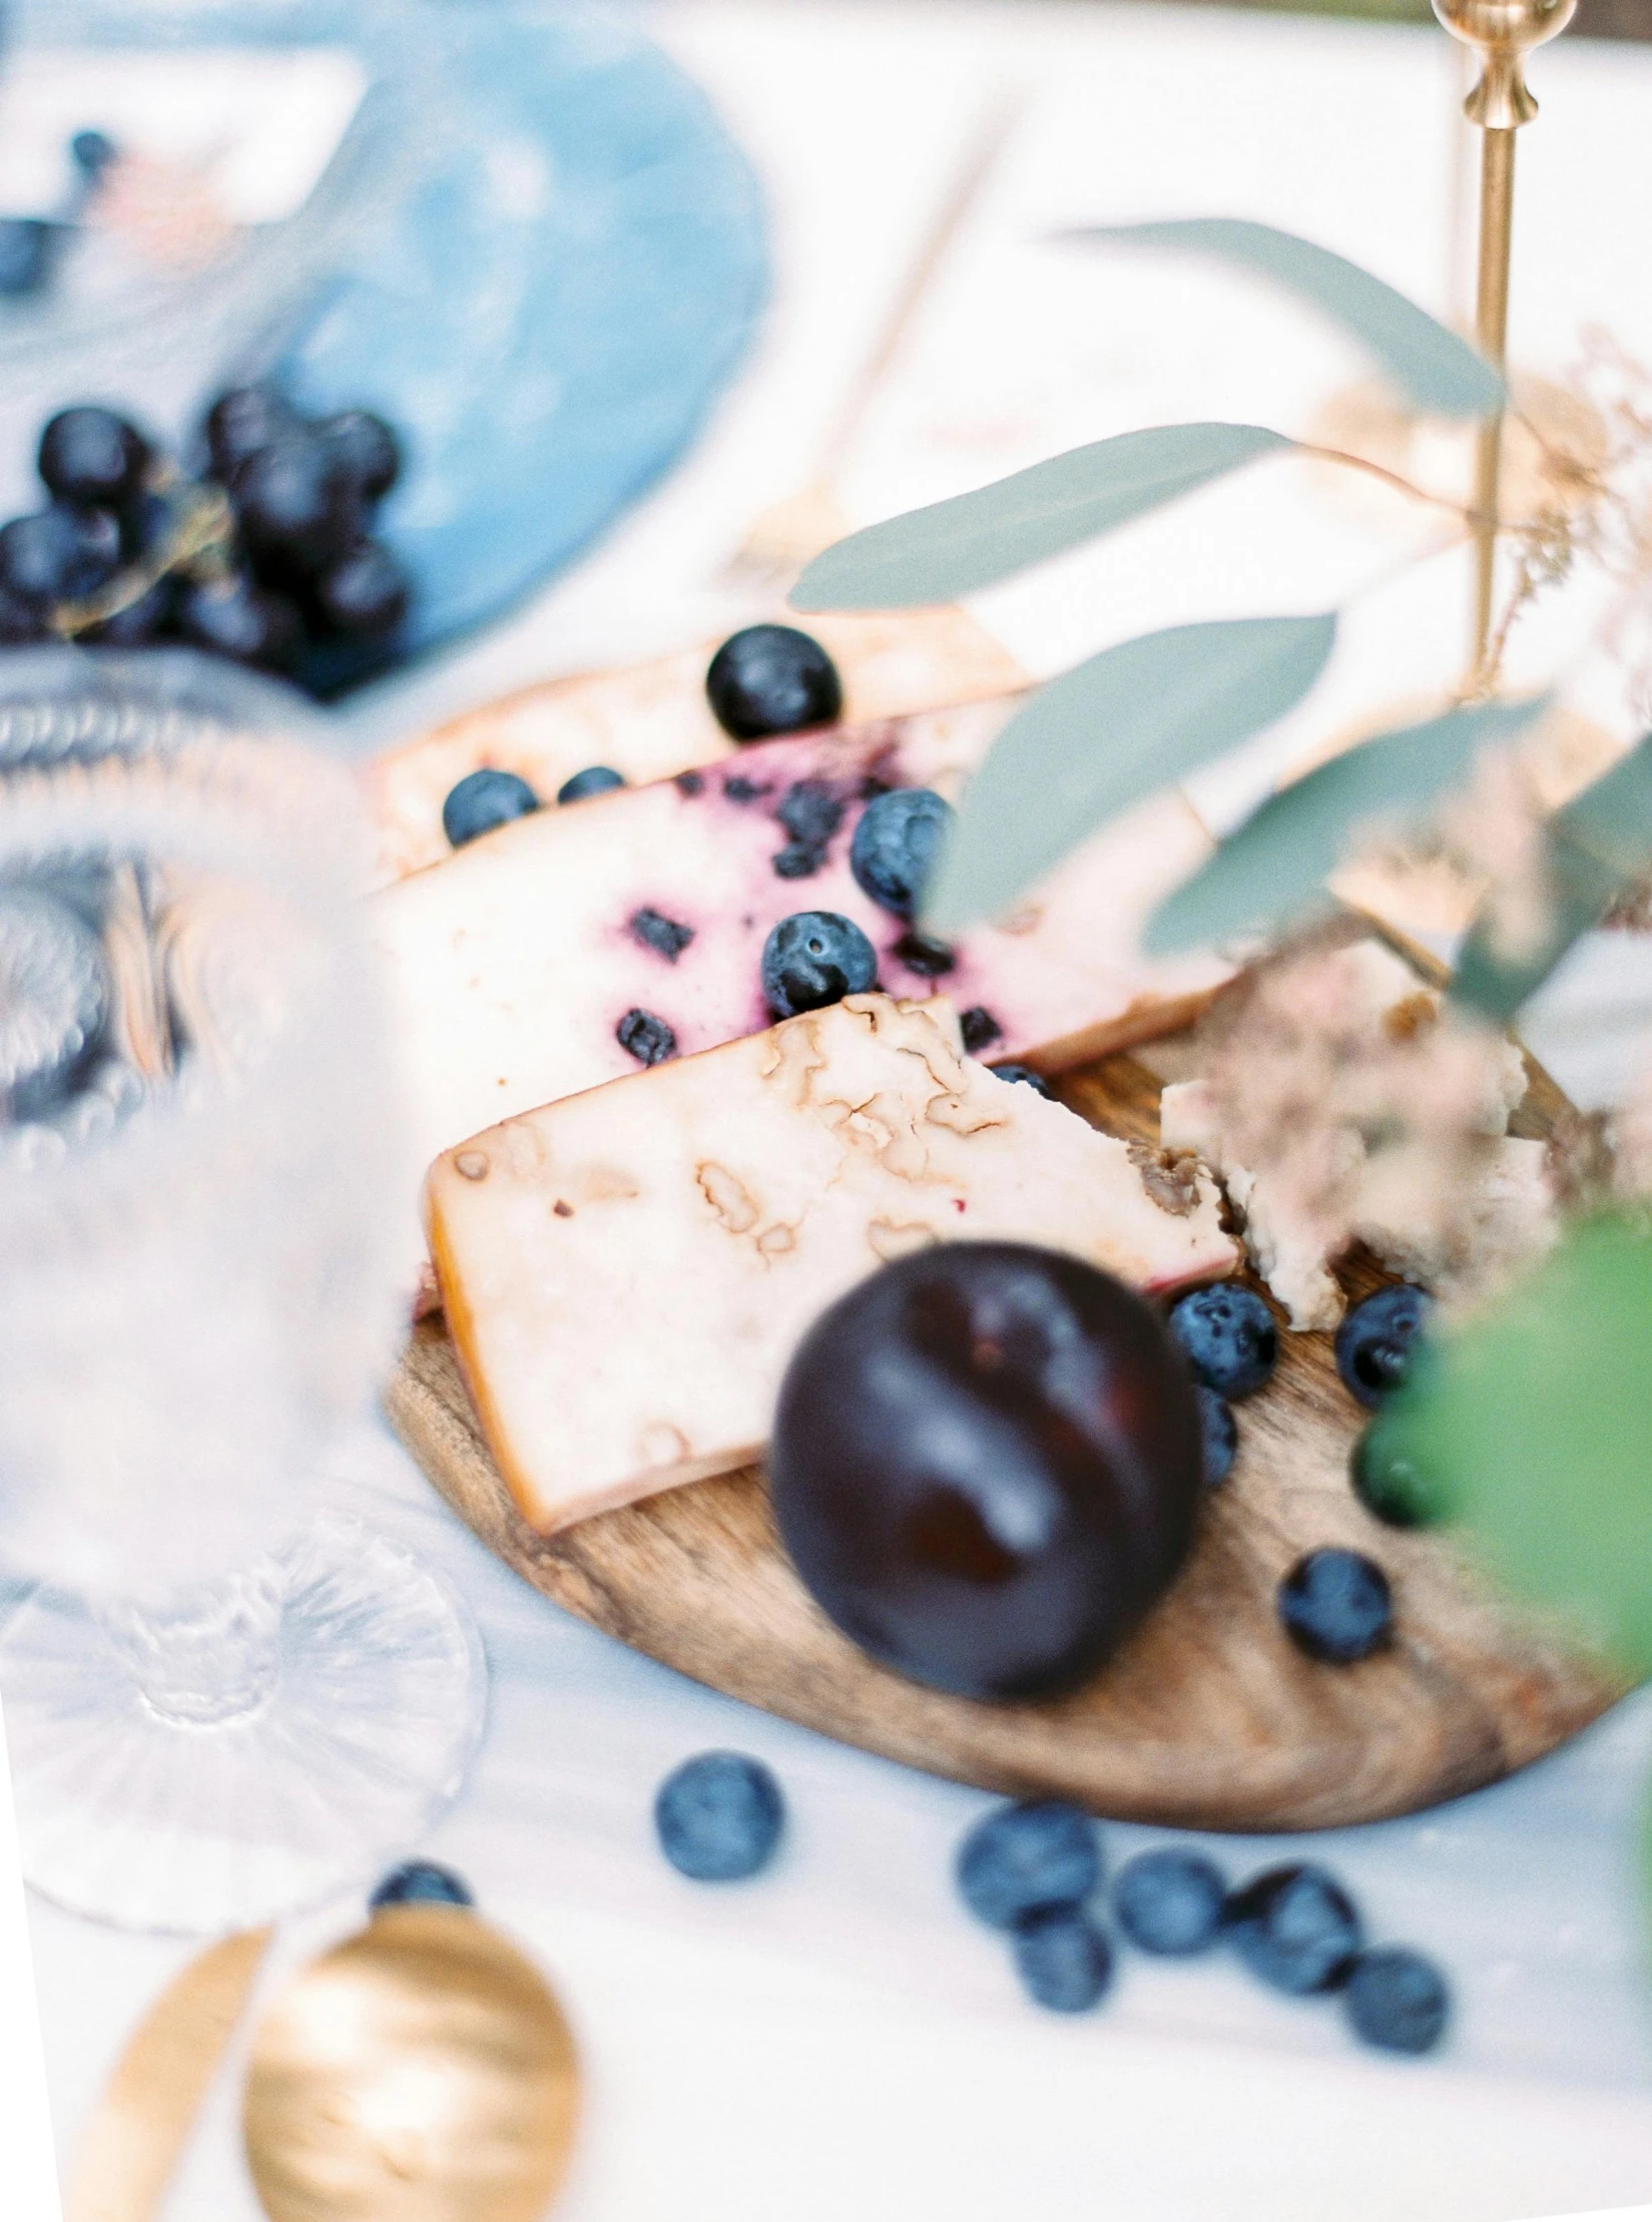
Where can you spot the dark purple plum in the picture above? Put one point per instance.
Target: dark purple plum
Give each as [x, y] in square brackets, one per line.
[986, 1465]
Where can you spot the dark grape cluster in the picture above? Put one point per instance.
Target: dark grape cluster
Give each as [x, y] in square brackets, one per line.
[266, 556]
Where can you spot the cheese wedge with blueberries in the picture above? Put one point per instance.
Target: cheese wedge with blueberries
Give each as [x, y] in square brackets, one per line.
[650, 721]
[627, 1272]
[571, 946]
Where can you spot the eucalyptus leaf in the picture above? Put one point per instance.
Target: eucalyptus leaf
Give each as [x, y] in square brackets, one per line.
[953, 547]
[1278, 859]
[1532, 1425]
[1440, 372]
[1132, 719]
[1595, 849]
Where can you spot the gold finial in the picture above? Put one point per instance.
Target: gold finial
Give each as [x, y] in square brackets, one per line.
[1503, 33]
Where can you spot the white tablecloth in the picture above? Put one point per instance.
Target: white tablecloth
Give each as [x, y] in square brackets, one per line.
[837, 2038]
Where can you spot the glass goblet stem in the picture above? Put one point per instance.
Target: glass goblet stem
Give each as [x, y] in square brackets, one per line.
[212, 1656]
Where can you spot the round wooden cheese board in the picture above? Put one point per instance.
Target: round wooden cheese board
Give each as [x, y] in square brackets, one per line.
[1207, 1717]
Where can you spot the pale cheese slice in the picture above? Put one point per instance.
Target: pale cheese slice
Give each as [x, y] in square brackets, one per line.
[627, 1272]
[651, 721]
[516, 962]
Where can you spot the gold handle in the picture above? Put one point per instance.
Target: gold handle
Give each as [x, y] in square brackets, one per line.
[129, 2151]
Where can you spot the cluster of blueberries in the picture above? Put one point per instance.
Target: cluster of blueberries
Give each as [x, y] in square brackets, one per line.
[1033, 1872]
[1334, 1604]
[280, 572]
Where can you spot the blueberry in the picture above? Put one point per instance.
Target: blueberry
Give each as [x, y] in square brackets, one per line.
[27, 246]
[421, 1883]
[597, 779]
[235, 618]
[483, 799]
[1171, 1902]
[979, 1029]
[811, 813]
[1389, 1484]
[813, 958]
[773, 679]
[1295, 1927]
[1229, 1337]
[741, 790]
[718, 1817]
[1336, 1606]
[895, 845]
[1221, 1435]
[1397, 2001]
[665, 936]
[1026, 1077]
[929, 960]
[90, 152]
[1026, 1858]
[365, 449]
[1064, 1960]
[686, 782]
[1374, 1341]
[366, 593]
[649, 1039]
[93, 457]
[296, 512]
[59, 554]
[244, 421]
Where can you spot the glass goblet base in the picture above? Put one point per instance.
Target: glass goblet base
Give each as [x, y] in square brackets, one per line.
[256, 1749]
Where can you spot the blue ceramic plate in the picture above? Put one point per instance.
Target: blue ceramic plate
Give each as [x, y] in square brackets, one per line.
[549, 314]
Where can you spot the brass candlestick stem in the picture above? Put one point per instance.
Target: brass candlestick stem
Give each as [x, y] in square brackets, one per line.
[1502, 33]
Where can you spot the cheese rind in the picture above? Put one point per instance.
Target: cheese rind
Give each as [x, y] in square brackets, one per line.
[517, 962]
[627, 1272]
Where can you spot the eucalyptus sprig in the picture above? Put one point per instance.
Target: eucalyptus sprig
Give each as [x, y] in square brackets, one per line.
[1151, 710]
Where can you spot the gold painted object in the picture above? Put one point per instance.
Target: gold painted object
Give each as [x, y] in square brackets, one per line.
[130, 2149]
[421, 2073]
[1502, 33]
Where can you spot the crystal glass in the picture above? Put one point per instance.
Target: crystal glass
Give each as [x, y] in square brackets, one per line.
[227, 1698]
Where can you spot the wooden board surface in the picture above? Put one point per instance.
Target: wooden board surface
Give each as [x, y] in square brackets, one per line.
[1207, 1717]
